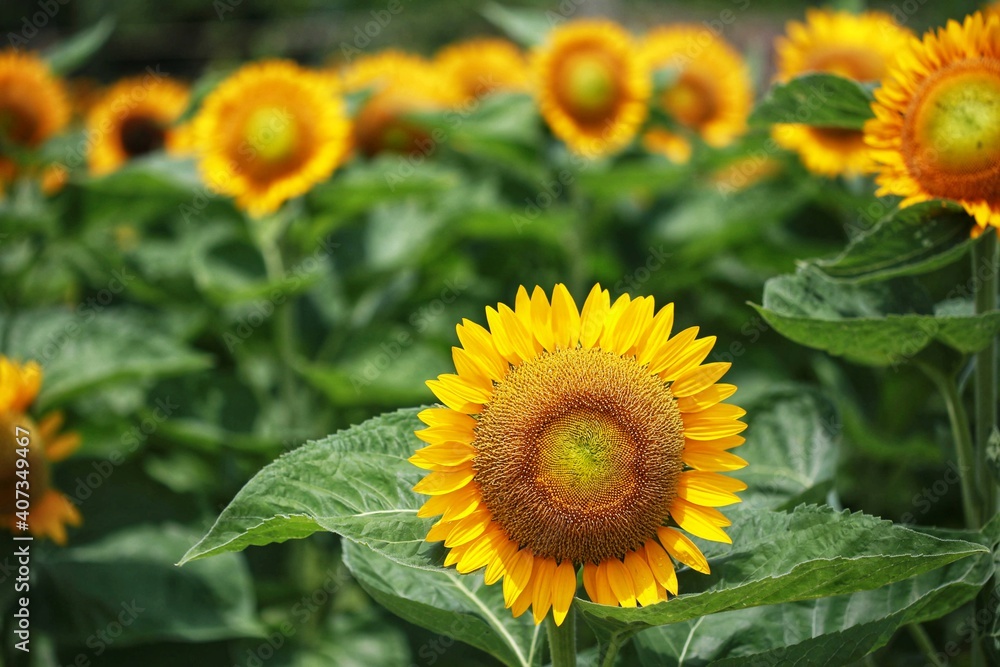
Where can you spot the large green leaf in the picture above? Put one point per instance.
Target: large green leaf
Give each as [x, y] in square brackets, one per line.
[93, 346]
[824, 100]
[879, 324]
[825, 633]
[71, 53]
[527, 26]
[778, 557]
[791, 448]
[356, 482]
[460, 606]
[129, 577]
[908, 241]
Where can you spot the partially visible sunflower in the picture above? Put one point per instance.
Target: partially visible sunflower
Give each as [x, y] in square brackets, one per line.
[481, 66]
[49, 511]
[270, 132]
[711, 92]
[398, 85]
[936, 131]
[134, 117]
[592, 85]
[856, 46]
[579, 438]
[33, 107]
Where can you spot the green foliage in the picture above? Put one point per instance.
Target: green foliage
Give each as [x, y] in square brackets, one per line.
[822, 100]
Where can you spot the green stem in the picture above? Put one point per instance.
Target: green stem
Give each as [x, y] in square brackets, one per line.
[984, 267]
[924, 643]
[617, 640]
[562, 640]
[963, 442]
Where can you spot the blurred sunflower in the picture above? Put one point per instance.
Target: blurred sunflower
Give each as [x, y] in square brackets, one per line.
[592, 85]
[579, 438]
[133, 118]
[33, 107]
[856, 46]
[710, 93]
[936, 131]
[270, 132]
[398, 84]
[481, 66]
[50, 511]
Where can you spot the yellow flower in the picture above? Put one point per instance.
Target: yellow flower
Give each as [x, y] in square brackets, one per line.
[49, 512]
[592, 85]
[270, 132]
[33, 106]
[398, 85]
[576, 438]
[481, 66]
[133, 118]
[936, 131]
[859, 47]
[711, 92]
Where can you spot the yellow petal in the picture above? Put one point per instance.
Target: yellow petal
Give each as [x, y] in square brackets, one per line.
[469, 370]
[696, 379]
[518, 335]
[501, 340]
[448, 453]
[604, 593]
[458, 395]
[683, 549]
[541, 319]
[563, 590]
[481, 553]
[720, 411]
[661, 566]
[712, 460]
[642, 578]
[691, 357]
[438, 483]
[517, 577]
[715, 443]
[630, 325]
[595, 311]
[541, 596]
[698, 521]
[706, 398]
[653, 340]
[713, 430]
[708, 488]
[590, 580]
[498, 567]
[435, 435]
[478, 342]
[522, 307]
[565, 318]
[672, 350]
[445, 417]
[467, 529]
[453, 505]
[620, 582]
[618, 308]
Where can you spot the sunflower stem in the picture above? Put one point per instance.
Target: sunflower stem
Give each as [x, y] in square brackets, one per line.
[984, 271]
[562, 640]
[924, 643]
[960, 433]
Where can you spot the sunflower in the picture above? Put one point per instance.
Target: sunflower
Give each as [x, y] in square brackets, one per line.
[33, 107]
[270, 132]
[49, 511]
[398, 85]
[579, 438]
[856, 46]
[936, 131]
[133, 118]
[592, 86]
[710, 94]
[481, 66]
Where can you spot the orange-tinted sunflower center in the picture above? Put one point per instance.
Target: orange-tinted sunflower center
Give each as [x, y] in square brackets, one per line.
[382, 125]
[272, 133]
[587, 84]
[839, 138]
[860, 64]
[951, 132]
[578, 454]
[38, 476]
[141, 135]
[18, 124]
[691, 100]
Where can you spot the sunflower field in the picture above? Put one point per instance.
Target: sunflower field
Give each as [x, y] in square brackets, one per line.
[456, 333]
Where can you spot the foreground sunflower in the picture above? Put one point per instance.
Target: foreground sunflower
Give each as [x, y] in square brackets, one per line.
[33, 107]
[576, 438]
[482, 66]
[856, 46]
[398, 85]
[936, 131]
[270, 132]
[133, 118]
[50, 511]
[710, 94]
[592, 86]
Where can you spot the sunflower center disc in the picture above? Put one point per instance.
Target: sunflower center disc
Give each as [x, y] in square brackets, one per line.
[141, 135]
[691, 100]
[951, 135]
[272, 133]
[589, 81]
[578, 454]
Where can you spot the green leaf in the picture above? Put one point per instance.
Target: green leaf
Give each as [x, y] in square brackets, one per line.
[909, 241]
[356, 482]
[526, 26]
[820, 553]
[86, 588]
[72, 53]
[825, 633]
[878, 324]
[92, 346]
[791, 448]
[444, 601]
[823, 100]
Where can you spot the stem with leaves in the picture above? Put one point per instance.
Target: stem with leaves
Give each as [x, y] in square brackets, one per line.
[562, 640]
[984, 267]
